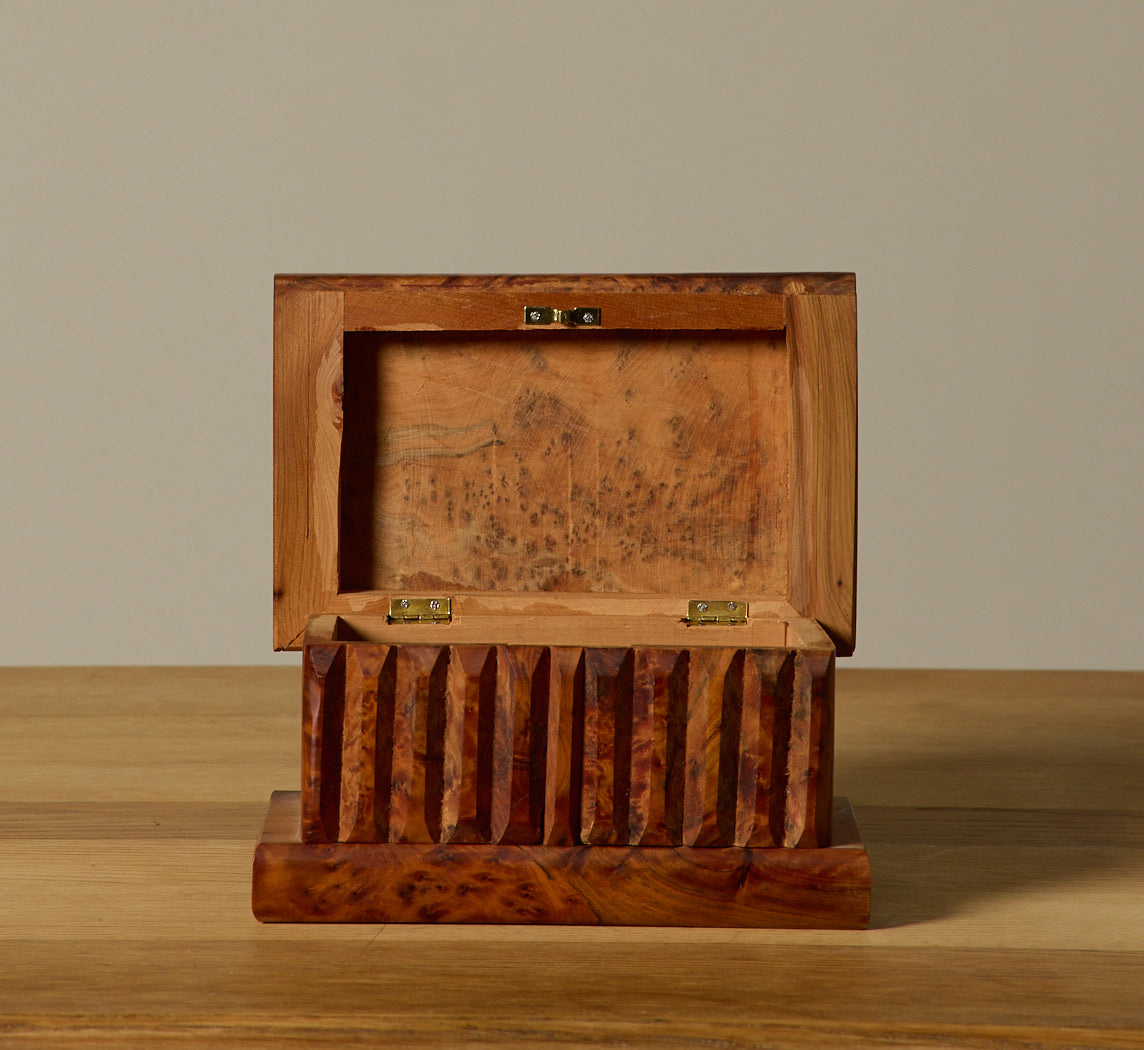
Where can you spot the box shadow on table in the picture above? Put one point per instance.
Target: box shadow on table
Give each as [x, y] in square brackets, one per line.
[952, 829]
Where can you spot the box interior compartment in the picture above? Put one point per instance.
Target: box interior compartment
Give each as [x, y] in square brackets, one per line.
[562, 463]
[565, 461]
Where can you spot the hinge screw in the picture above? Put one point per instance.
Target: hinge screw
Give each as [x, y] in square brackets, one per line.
[732, 606]
[702, 607]
[434, 605]
[589, 318]
[404, 603]
[534, 315]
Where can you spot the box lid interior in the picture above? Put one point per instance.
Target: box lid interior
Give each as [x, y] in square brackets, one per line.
[698, 441]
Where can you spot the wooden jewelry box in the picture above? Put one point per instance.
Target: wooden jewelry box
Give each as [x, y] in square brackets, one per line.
[569, 560]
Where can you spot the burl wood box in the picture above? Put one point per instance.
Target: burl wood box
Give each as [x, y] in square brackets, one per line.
[569, 560]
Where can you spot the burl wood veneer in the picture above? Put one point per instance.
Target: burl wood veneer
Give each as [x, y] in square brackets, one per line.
[568, 489]
[826, 888]
[534, 745]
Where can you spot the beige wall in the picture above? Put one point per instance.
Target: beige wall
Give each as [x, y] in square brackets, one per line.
[980, 165]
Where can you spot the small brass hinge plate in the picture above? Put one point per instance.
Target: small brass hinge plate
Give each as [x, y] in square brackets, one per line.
[577, 317]
[420, 610]
[725, 614]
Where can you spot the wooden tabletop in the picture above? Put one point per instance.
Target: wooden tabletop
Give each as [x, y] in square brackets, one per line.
[1003, 813]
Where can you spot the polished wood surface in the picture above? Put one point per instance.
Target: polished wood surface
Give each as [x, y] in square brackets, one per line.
[738, 283]
[485, 310]
[700, 442]
[308, 332]
[579, 460]
[382, 882]
[822, 337]
[726, 752]
[1003, 814]
[713, 747]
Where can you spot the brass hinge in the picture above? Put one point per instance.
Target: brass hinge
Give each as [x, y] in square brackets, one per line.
[725, 614]
[420, 610]
[577, 316]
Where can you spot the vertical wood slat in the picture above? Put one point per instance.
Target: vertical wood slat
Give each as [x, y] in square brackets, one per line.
[820, 783]
[762, 749]
[321, 750]
[467, 780]
[356, 822]
[353, 772]
[333, 724]
[520, 745]
[705, 701]
[386, 725]
[526, 744]
[798, 753]
[738, 751]
[420, 687]
[642, 751]
[782, 699]
[659, 719]
[562, 768]
[606, 753]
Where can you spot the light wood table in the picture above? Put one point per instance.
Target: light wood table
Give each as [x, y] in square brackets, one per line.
[1003, 812]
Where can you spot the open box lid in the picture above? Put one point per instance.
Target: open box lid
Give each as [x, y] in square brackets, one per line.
[645, 440]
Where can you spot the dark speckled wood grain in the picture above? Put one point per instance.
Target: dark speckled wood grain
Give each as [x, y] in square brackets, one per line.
[697, 442]
[531, 745]
[612, 885]
[558, 461]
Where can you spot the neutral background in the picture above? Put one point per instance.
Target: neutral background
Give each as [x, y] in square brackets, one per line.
[979, 165]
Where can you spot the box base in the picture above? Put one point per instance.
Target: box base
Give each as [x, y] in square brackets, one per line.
[782, 888]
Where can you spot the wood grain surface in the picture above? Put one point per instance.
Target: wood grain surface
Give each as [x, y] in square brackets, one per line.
[701, 442]
[420, 743]
[308, 330]
[1003, 813]
[566, 461]
[609, 885]
[614, 625]
[703, 283]
[460, 310]
[823, 340]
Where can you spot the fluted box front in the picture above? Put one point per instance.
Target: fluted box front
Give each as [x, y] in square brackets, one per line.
[567, 746]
